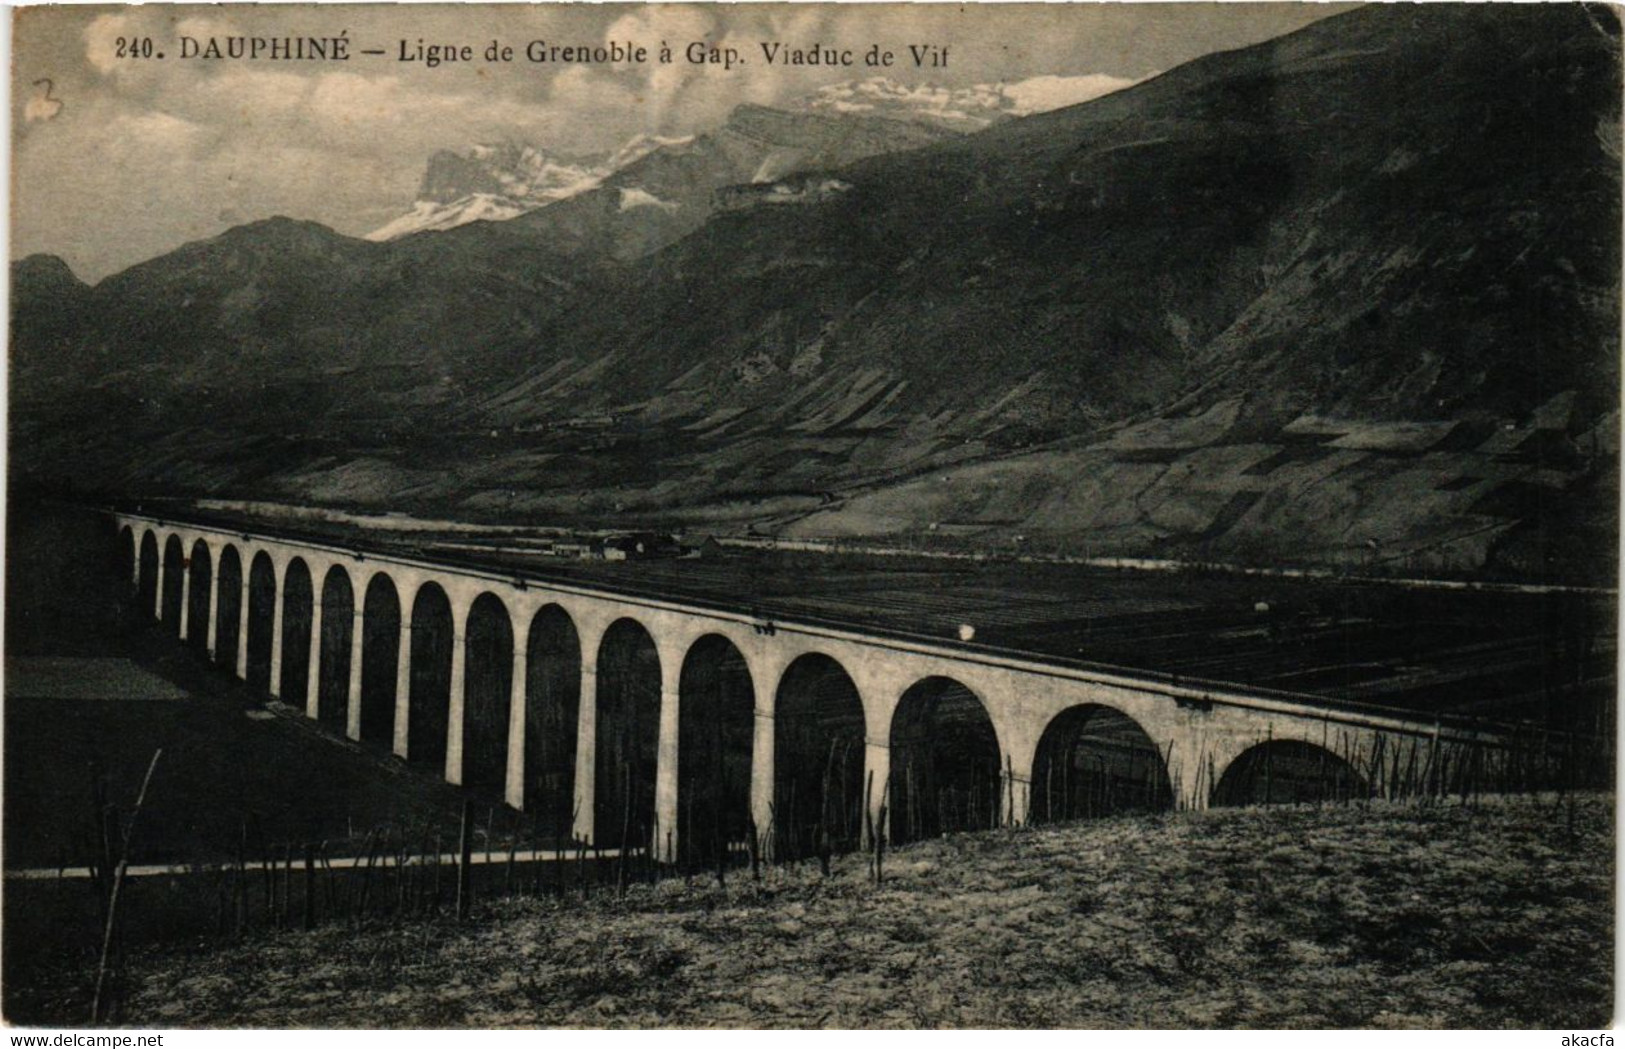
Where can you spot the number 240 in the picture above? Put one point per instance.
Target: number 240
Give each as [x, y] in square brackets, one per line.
[135, 47]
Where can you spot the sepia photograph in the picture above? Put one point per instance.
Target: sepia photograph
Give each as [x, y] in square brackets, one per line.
[812, 516]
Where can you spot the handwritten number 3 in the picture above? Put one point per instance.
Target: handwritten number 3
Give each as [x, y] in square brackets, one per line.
[48, 102]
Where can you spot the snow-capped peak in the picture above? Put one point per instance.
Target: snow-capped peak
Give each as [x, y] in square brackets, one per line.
[494, 181]
[640, 146]
[431, 215]
[964, 108]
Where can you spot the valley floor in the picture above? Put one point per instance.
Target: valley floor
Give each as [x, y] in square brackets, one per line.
[1497, 914]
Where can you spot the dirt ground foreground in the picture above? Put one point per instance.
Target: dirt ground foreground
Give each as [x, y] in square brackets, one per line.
[1496, 914]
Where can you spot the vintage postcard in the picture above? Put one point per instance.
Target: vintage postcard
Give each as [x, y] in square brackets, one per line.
[812, 516]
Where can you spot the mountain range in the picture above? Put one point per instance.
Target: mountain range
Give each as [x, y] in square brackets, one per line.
[1348, 296]
[494, 182]
[507, 179]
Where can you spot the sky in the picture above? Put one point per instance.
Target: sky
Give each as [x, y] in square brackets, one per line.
[118, 159]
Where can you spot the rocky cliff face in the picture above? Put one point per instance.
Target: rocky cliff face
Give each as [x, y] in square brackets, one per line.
[491, 183]
[650, 191]
[506, 169]
[671, 191]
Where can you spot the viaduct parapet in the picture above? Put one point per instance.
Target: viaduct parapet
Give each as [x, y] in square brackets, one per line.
[626, 718]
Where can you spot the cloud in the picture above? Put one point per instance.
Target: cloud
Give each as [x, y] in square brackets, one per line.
[674, 97]
[110, 51]
[672, 24]
[160, 133]
[963, 108]
[200, 27]
[101, 41]
[1040, 94]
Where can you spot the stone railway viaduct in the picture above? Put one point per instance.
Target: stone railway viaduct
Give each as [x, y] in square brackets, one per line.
[680, 725]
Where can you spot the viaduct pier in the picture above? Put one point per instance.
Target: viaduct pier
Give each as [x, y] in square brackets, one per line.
[687, 726]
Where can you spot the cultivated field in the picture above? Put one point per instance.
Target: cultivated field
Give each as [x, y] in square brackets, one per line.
[1439, 915]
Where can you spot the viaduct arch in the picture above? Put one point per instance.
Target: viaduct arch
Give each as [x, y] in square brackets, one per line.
[685, 728]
